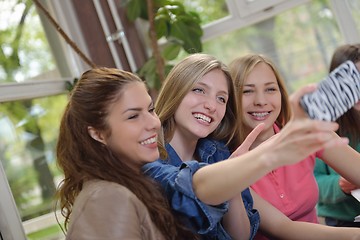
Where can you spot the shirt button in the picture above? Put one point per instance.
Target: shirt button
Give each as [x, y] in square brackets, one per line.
[282, 195]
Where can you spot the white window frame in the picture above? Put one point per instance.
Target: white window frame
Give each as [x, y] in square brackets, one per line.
[246, 8]
[10, 223]
[11, 227]
[257, 12]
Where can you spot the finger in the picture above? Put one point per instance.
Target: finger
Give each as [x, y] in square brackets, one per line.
[305, 126]
[309, 143]
[296, 109]
[333, 142]
[249, 140]
[296, 96]
[318, 125]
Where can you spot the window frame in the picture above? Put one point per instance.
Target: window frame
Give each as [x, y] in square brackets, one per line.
[70, 65]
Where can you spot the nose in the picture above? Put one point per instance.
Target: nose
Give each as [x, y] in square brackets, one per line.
[260, 99]
[153, 122]
[210, 104]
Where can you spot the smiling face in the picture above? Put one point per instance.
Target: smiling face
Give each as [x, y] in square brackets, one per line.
[202, 109]
[133, 126]
[261, 98]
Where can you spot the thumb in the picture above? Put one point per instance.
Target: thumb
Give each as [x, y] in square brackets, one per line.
[294, 99]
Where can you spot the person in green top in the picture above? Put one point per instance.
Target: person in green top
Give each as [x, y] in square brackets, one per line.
[336, 204]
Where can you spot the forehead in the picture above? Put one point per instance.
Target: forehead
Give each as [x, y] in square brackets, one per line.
[262, 73]
[132, 95]
[216, 79]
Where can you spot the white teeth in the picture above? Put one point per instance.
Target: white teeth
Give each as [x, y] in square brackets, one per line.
[257, 114]
[148, 141]
[202, 117]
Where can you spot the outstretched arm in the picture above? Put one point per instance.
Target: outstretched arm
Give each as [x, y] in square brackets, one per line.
[221, 181]
[344, 160]
[276, 225]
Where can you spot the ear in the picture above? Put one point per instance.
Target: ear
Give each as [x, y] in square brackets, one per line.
[96, 135]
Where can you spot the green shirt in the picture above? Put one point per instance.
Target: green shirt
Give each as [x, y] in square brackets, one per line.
[333, 202]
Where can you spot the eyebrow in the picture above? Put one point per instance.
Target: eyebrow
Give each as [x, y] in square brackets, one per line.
[253, 85]
[138, 109]
[207, 86]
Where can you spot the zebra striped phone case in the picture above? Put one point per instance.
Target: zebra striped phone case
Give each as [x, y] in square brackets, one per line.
[335, 94]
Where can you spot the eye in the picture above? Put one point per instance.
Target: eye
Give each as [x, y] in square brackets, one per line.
[272, 89]
[222, 99]
[152, 110]
[198, 90]
[133, 116]
[248, 91]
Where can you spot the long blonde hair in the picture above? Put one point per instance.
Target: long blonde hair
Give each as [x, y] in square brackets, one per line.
[240, 69]
[180, 81]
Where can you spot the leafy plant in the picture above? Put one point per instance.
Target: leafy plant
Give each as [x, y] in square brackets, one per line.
[171, 22]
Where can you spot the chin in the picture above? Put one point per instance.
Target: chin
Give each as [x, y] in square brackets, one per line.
[150, 158]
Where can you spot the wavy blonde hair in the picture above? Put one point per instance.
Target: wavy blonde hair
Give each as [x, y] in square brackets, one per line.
[179, 82]
[240, 69]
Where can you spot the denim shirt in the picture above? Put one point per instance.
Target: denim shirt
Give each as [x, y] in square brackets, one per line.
[175, 176]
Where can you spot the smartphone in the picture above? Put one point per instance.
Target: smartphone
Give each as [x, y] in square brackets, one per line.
[335, 94]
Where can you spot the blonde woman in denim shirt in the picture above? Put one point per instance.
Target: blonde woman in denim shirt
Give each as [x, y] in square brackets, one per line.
[198, 109]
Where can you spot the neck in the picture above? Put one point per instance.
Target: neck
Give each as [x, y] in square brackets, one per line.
[184, 147]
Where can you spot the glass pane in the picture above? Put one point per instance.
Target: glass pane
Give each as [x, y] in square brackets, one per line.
[300, 41]
[24, 50]
[355, 10]
[28, 136]
[208, 10]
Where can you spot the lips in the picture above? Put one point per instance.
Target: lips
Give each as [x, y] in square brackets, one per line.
[202, 117]
[260, 115]
[148, 141]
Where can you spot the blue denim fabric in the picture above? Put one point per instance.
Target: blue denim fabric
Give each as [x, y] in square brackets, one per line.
[175, 177]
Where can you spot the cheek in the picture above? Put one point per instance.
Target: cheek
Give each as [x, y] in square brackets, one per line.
[176, 119]
[222, 111]
[246, 101]
[277, 100]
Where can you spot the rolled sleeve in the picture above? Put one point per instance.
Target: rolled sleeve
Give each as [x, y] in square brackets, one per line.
[177, 183]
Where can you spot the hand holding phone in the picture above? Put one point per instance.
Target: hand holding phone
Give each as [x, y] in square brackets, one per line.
[335, 94]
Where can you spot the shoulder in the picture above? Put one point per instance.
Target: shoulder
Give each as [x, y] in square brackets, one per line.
[106, 196]
[101, 188]
[99, 202]
[212, 143]
[103, 200]
[210, 150]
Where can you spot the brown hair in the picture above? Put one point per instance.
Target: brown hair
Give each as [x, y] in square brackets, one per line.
[82, 158]
[240, 69]
[179, 82]
[349, 123]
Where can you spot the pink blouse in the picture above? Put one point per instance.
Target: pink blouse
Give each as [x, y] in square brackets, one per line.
[291, 189]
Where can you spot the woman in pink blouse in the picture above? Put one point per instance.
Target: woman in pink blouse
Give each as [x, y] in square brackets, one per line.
[263, 99]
